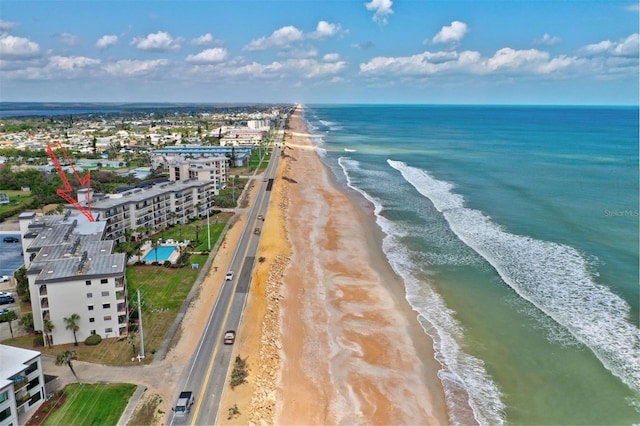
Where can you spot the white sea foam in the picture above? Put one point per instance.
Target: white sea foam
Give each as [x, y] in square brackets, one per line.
[471, 395]
[554, 277]
[349, 150]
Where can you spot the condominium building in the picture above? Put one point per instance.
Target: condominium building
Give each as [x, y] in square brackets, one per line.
[72, 270]
[21, 383]
[240, 154]
[212, 169]
[152, 208]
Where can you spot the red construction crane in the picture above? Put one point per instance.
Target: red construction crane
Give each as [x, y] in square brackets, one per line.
[66, 191]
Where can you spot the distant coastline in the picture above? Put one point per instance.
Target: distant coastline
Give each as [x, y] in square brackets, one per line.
[46, 109]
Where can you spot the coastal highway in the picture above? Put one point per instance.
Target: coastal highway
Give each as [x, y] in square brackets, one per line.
[206, 373]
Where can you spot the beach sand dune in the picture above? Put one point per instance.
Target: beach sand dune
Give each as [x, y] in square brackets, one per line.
[352, 351]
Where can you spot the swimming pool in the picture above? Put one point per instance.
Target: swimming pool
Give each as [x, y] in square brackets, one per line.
[164, 252]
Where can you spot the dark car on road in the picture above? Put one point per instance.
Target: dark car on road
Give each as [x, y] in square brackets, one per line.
[11, 240]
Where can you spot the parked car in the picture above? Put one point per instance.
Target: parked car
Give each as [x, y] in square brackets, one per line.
[229, 337]
[4, 311]
[260, 217]
[4, 279]
[229, 276]
[11, 240]
[5, 300]
[256, 231]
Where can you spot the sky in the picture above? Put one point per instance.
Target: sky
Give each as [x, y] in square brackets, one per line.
[563, 52]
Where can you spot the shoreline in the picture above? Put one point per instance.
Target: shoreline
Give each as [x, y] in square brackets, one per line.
[380, 361]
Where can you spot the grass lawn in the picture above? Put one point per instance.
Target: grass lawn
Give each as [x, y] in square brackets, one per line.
[188, 231]
[163, 290]
[86, 404]
[17, 200]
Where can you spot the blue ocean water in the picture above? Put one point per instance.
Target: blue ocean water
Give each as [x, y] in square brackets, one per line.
[515, 231]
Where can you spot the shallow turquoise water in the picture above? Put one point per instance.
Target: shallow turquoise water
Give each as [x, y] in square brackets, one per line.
[515, 230]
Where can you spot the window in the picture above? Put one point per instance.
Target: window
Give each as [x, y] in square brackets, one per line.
[4, 396]
[106, 305]
[104, 281]
[107, 318]
[92, 320]
[35, 398]
[32, 384]
[93, 332]
[105, 293]
[89, 295]
[5, 414]
[108, 330]
[31, 368]
[88, 282]
[90, 307]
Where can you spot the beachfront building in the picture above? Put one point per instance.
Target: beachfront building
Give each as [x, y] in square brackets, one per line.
[151, 208]
[243, 137]
[72, 270]
[239, 154]
[21, 383]
[213, 169]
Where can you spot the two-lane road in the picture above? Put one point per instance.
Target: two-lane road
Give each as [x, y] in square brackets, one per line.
[207, 371]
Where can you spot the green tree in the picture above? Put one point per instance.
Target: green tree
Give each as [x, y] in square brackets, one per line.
[22, 285]
[27, 321]
[65, 358]
[72, 324]
[9, 317]
[47, 328]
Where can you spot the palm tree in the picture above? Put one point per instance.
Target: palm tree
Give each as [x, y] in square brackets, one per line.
[9, 317]
[138, 252]
[154, 243]
[65, 358]
[47, 328]
[72, 324]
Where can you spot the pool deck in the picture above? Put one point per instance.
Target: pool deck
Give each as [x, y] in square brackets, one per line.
[147, 247]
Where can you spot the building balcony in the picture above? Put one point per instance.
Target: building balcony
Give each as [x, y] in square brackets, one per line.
[122, 308]
[119, 282]
[44, 303]
[43, 290]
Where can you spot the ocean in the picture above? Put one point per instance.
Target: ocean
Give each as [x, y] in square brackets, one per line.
[515, 232]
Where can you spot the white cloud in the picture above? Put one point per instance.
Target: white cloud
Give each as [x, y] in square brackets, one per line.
[287, 37]
[134, 67]
[310, 68]
[330, 57]
[280, 38]
[6, 25]
[624, 47]
[106, 41]
[203, 40]
[208, 56]
[364, 46]
[547, 40]
[156, 42]
[70, 63]
[382, 9]
[68, 39]
[504, 61]
[451, 34]
[325, 29]
[12, 47]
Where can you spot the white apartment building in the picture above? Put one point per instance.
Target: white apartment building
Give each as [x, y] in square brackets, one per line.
[212, 169]
[72, 270]
[243, 137]
[21, 383]
[152, 208]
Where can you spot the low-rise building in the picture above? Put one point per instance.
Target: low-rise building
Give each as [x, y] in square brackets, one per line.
[21, 383]
[213, 169]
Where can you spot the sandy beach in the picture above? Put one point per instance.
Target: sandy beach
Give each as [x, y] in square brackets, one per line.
[337, 341]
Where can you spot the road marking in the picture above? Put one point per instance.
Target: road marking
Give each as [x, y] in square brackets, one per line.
[226, 317]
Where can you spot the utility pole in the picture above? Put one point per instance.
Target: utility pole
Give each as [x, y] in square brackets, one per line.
[208, 228]
[141, 356]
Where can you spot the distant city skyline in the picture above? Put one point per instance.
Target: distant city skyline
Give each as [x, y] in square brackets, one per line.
[378, 51]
